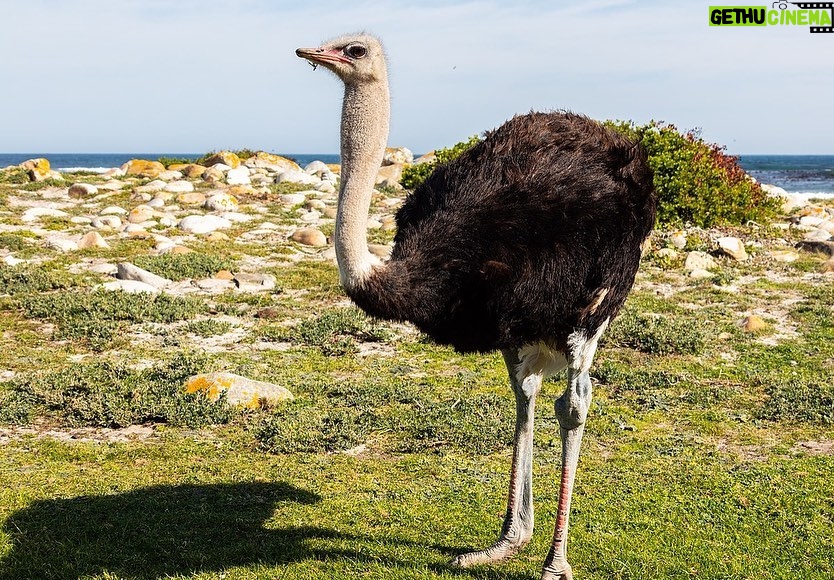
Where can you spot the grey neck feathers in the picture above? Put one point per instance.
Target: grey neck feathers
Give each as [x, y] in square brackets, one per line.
[365, 115]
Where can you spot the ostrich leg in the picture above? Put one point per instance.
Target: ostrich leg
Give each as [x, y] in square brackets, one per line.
[518, 523]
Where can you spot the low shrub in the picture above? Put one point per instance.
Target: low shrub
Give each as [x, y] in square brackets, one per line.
[184, 266]
[414, 175]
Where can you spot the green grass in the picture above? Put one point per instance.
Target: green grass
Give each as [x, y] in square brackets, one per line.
[182, 266]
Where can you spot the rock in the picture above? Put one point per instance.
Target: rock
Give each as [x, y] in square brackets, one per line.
[156, 203]
[108, 222]
[274, 163]
[785, 256]
[310, 217]
[389, 175]
[82, 190]
[203, 224]
[214, 285]
[154, 186]
[213, 175]
[140, 214]
[127, 271]
[61, 243]
[224, 275]
[700, 274]
[380, 250]
[178, 250]
[217, 237]
[12, 261]
[817, 235]
[35, 213]
[753, 323]
[131, 286]
[292, 198]
[239, 390]
[309, 237]
[180, 187]
[193, 170]
[667, 253]
[316, 168]
[397, 156]
[38, 169]
[429, 157]
[326, 187]
[143, 168]
[221, 202]
[238, 176]
[81, 220]
[254, 282]
[104, 269]
[373, 224]
[298, 176]
[699, 261]
[827, 226]
[237, 217]
[828, 266]
[330, 212]
[225, 157]
[113, 210]
[170, 175]
[733, 247]
[92, 240]
[191, 198]
[678, 239]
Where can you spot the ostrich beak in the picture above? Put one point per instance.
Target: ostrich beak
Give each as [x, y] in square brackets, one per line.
[320, 55]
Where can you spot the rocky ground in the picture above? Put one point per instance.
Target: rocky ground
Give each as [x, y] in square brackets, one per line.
[269, 214]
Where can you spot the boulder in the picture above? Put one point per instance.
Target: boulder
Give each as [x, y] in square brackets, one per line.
[213, 175]
[92, 240]
[753, 323]
[429, 157]
[82, 190]
[678, 239]
[238, 176]
[238, 390]
[140, 214]
[390, 175]
[397, 155]
[221, 202]
[180, 187]
[191, 198]
[38, 169]
[254, 282]
[35, 213]
[274, 163]
[131, 286]
[309, 237]
[193, 170]
[732, 247]
[224, 157]
[127, 271]
[699, 261]
[143, 168]
[203, 224]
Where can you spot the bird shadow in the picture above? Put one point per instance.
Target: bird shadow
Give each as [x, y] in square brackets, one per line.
[177, 530]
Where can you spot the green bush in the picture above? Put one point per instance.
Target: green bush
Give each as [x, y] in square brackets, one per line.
[800, 401]
[659, 334]
[28, 279]
[697, 183]
[414, 175]
[336, 332]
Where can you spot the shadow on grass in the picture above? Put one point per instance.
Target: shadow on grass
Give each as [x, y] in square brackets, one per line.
[178, 530]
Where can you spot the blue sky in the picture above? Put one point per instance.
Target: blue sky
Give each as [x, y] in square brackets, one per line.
[193, 76]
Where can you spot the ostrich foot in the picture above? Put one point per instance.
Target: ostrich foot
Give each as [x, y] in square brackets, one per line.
[558, 571]
[500, 550]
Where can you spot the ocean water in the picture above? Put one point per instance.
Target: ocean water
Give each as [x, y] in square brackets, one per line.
[103, 161]
[805, 175]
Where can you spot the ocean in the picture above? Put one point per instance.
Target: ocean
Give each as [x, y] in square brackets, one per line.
[805, 175]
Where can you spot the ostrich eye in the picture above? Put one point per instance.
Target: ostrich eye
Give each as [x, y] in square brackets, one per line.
[356, 51]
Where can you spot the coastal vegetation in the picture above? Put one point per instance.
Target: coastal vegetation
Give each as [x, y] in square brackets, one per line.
[710, 438]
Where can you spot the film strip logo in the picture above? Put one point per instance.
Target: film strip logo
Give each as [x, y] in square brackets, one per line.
[812, 6]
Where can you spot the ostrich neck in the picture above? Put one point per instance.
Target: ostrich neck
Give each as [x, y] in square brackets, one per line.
[365, 113]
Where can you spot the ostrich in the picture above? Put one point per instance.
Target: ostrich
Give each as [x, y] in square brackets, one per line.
[527, 243]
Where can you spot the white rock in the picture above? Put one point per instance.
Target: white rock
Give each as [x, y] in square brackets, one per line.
[169, 221]
[732, 247]
[817, 235]
[220, 167]
[316, 167]
[61, 243]
[700, 274]
[152, 187]
[156, 203]
[293, 198]
[170, 175]
[326, 187]
[81, 220]
[12, 261]
[105, 269]
[678, 239]
[107, 222]
[180, 187]
[239, 176]
[92, 240]
[699, 261]
[394, 155]
[35, 213]
[297, 177]
[810, 220]
[203, 224]
[131, 286]
[127, 271]
[221, 202]
[113, 210]
[239, 390]
[237, 217]
[310, 217]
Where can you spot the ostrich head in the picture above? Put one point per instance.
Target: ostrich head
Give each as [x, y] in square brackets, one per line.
[355, 58]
